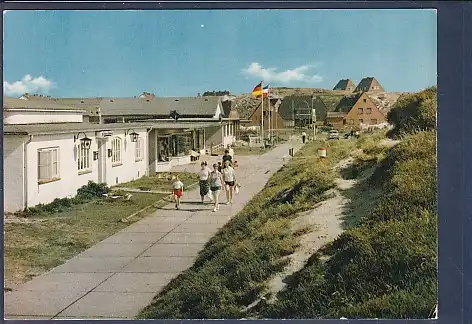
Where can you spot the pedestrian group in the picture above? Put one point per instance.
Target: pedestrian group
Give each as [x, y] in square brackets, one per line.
[212, 181]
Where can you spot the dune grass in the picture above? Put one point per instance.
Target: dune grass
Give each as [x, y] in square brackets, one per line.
[236, 263]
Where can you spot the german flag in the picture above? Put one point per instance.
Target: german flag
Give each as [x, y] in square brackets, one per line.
[257, 91]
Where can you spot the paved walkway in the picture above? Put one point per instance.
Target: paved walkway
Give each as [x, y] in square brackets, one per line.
[119, 276]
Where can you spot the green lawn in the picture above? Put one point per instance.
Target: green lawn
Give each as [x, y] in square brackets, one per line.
[43, 241]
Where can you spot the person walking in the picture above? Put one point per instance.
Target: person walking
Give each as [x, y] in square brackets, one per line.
[178, 190]
[203, 181]
[230, 180]
[227, 157]
[216, 182]
[303, 137]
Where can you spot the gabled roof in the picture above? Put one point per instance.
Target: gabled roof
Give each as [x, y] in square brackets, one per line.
[344, 84]
[347, 102]
[271, 107]
[366, 83]
[16, 103]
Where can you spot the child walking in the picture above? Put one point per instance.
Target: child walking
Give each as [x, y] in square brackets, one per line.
[178, 190]
[216, 182]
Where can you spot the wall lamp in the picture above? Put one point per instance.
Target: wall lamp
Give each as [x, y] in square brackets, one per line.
[85, 142]
[133, 136]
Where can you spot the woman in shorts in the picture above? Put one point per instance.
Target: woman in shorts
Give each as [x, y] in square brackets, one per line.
[216, 182]
[230, 180]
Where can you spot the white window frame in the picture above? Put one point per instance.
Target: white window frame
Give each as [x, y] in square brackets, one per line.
[52, 166]
[139, 151]
[116, 147]
[83, 159]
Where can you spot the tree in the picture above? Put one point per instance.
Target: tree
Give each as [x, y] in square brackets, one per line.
[215, 93]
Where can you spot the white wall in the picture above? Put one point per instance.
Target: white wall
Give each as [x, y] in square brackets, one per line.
[129, 169]
[70, 178]
[13, 163]
[40, 117]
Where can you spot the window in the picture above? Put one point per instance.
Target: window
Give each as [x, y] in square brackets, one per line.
[360, 110]
[365, 100]
[361, 121]
[48, 164]
[139, 149]
[373, 121]
[116, 150]
[369, 111]
[83, 158]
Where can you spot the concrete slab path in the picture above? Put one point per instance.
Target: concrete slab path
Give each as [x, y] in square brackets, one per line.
[119, 276]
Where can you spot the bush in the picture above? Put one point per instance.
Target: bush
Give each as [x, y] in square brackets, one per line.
[84, 194]
[414, 112]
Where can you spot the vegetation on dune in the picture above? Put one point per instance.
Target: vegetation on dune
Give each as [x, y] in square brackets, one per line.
[386, 266]
[232, 269]
[414, 112]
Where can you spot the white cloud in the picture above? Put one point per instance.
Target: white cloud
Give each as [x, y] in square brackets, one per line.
[39, 85]
[298, 74]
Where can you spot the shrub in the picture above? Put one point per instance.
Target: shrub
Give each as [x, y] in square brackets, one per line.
[84, 194]
[414, 112]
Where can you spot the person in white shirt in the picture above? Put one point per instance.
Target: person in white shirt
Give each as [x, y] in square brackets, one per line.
[203, 181]
[216, 182]
[230, 181]
[178, 190]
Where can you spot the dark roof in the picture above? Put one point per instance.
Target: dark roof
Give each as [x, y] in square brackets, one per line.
[286, 109]
[347, 102]
[343, 84]
[16, 103]
[201, 106]
[366, 83]
[76, 127]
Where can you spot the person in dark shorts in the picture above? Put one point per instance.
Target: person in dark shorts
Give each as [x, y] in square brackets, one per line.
[230, 180]
[216, 182]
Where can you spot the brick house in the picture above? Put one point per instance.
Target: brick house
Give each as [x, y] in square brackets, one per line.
[345, 85]
[356, 111]
[270, 107]
[369, 84]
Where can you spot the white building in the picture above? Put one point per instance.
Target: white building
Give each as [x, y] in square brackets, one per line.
[49, 152]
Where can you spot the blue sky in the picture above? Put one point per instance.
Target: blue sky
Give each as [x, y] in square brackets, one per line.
[181, 53]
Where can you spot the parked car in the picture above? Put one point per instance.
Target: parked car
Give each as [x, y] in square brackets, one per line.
[333, 134]
[347, 135]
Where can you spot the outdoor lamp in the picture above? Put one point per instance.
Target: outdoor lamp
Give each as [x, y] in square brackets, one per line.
[133, 136]
[85, 142]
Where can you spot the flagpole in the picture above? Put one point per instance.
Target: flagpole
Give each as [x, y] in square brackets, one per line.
[262, 113]
[268, 100]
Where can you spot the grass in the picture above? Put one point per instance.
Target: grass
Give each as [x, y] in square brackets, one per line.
[385, 264]
[44, 241]
[233, 268]
[160, 181]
